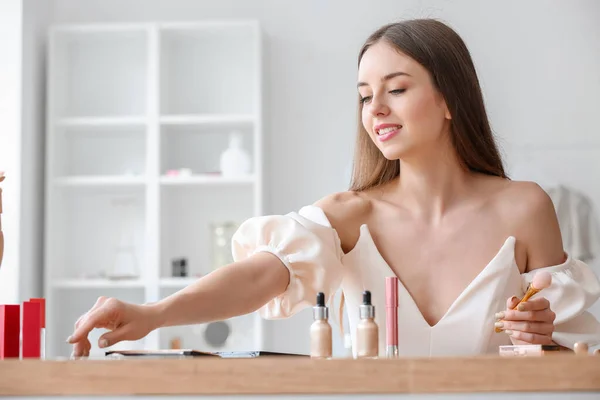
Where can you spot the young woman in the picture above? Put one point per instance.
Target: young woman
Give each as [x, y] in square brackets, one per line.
[429, 203]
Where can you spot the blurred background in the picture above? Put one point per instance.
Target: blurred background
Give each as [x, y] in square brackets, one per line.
[137, 134]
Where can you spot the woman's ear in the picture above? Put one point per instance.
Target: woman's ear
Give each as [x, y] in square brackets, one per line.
[442, 103]
[447, 112]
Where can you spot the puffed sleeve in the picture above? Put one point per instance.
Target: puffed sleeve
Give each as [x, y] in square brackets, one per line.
[575, 287]
[306, 244]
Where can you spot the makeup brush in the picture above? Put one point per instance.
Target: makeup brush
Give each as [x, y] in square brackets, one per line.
[540, 281]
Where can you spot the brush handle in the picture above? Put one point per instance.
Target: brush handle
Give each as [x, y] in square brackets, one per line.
[531, 291]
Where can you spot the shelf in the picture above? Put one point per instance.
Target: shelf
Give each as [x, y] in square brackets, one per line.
[127, 103]
[98, 73]
[100, 121]
[90, 226]
[208, 119]
[199, 147]
[87, 29]
[97, 283]
[206, 25]
[114, 147]
[177, 283]
[100, 181]
[208, 69]
[198, 180]
[194, 180]
[191, 222]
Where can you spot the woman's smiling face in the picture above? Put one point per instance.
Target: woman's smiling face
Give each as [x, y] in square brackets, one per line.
[402, 111]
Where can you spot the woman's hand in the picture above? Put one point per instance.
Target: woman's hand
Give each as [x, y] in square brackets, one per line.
[125, 321]
[531, 323]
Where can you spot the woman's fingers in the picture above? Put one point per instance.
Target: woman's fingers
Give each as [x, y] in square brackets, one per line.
[82, 348]
[534, 305]
[81, 344]
[527, 337]
[531, 322]
[543, 328]
[512, 302]
[546, 315]
[100, 317]
[101, 300]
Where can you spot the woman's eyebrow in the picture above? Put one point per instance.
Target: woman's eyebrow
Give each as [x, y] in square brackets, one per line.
[385, 78]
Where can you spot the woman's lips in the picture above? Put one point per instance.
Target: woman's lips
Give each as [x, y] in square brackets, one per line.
[389, 134]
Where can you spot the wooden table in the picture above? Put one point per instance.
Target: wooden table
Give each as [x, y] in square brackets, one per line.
[564, 373]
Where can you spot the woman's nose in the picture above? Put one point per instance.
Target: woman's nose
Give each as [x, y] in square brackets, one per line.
[378, 107]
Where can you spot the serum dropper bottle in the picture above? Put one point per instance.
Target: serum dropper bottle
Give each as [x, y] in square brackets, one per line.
[320, 330]
[367, 331]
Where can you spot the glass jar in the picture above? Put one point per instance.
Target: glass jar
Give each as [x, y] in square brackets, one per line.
[221, 234]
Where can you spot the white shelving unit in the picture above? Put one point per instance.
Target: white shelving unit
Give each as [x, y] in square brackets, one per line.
[126, 105]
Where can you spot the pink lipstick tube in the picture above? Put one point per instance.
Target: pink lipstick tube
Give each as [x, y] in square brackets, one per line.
[391, 316]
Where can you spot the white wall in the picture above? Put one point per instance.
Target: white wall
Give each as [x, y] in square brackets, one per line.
[10, 145]
[36, 16]
[22, 67]
[538, 63]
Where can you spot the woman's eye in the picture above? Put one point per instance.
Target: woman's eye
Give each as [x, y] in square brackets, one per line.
[367, 99]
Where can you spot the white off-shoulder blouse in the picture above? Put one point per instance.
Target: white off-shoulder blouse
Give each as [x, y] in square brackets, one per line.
[310, 248]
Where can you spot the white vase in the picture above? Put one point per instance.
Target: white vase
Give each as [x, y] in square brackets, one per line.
[235, 161]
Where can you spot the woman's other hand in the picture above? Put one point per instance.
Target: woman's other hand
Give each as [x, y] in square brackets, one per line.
[532, 322]
[124, 321]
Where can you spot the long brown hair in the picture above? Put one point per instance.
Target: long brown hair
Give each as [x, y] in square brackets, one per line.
[442, 52]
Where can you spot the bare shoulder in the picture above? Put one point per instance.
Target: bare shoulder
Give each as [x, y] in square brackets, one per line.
[342, 206]
[525, 196]
[346, 211]
[531, 215]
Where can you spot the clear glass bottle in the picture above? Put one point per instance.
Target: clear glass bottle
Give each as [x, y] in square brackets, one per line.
[221, 234]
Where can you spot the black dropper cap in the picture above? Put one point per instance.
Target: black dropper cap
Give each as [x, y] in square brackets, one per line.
[320, 299]
[366, 309]
[366, 298]
[319, 310]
